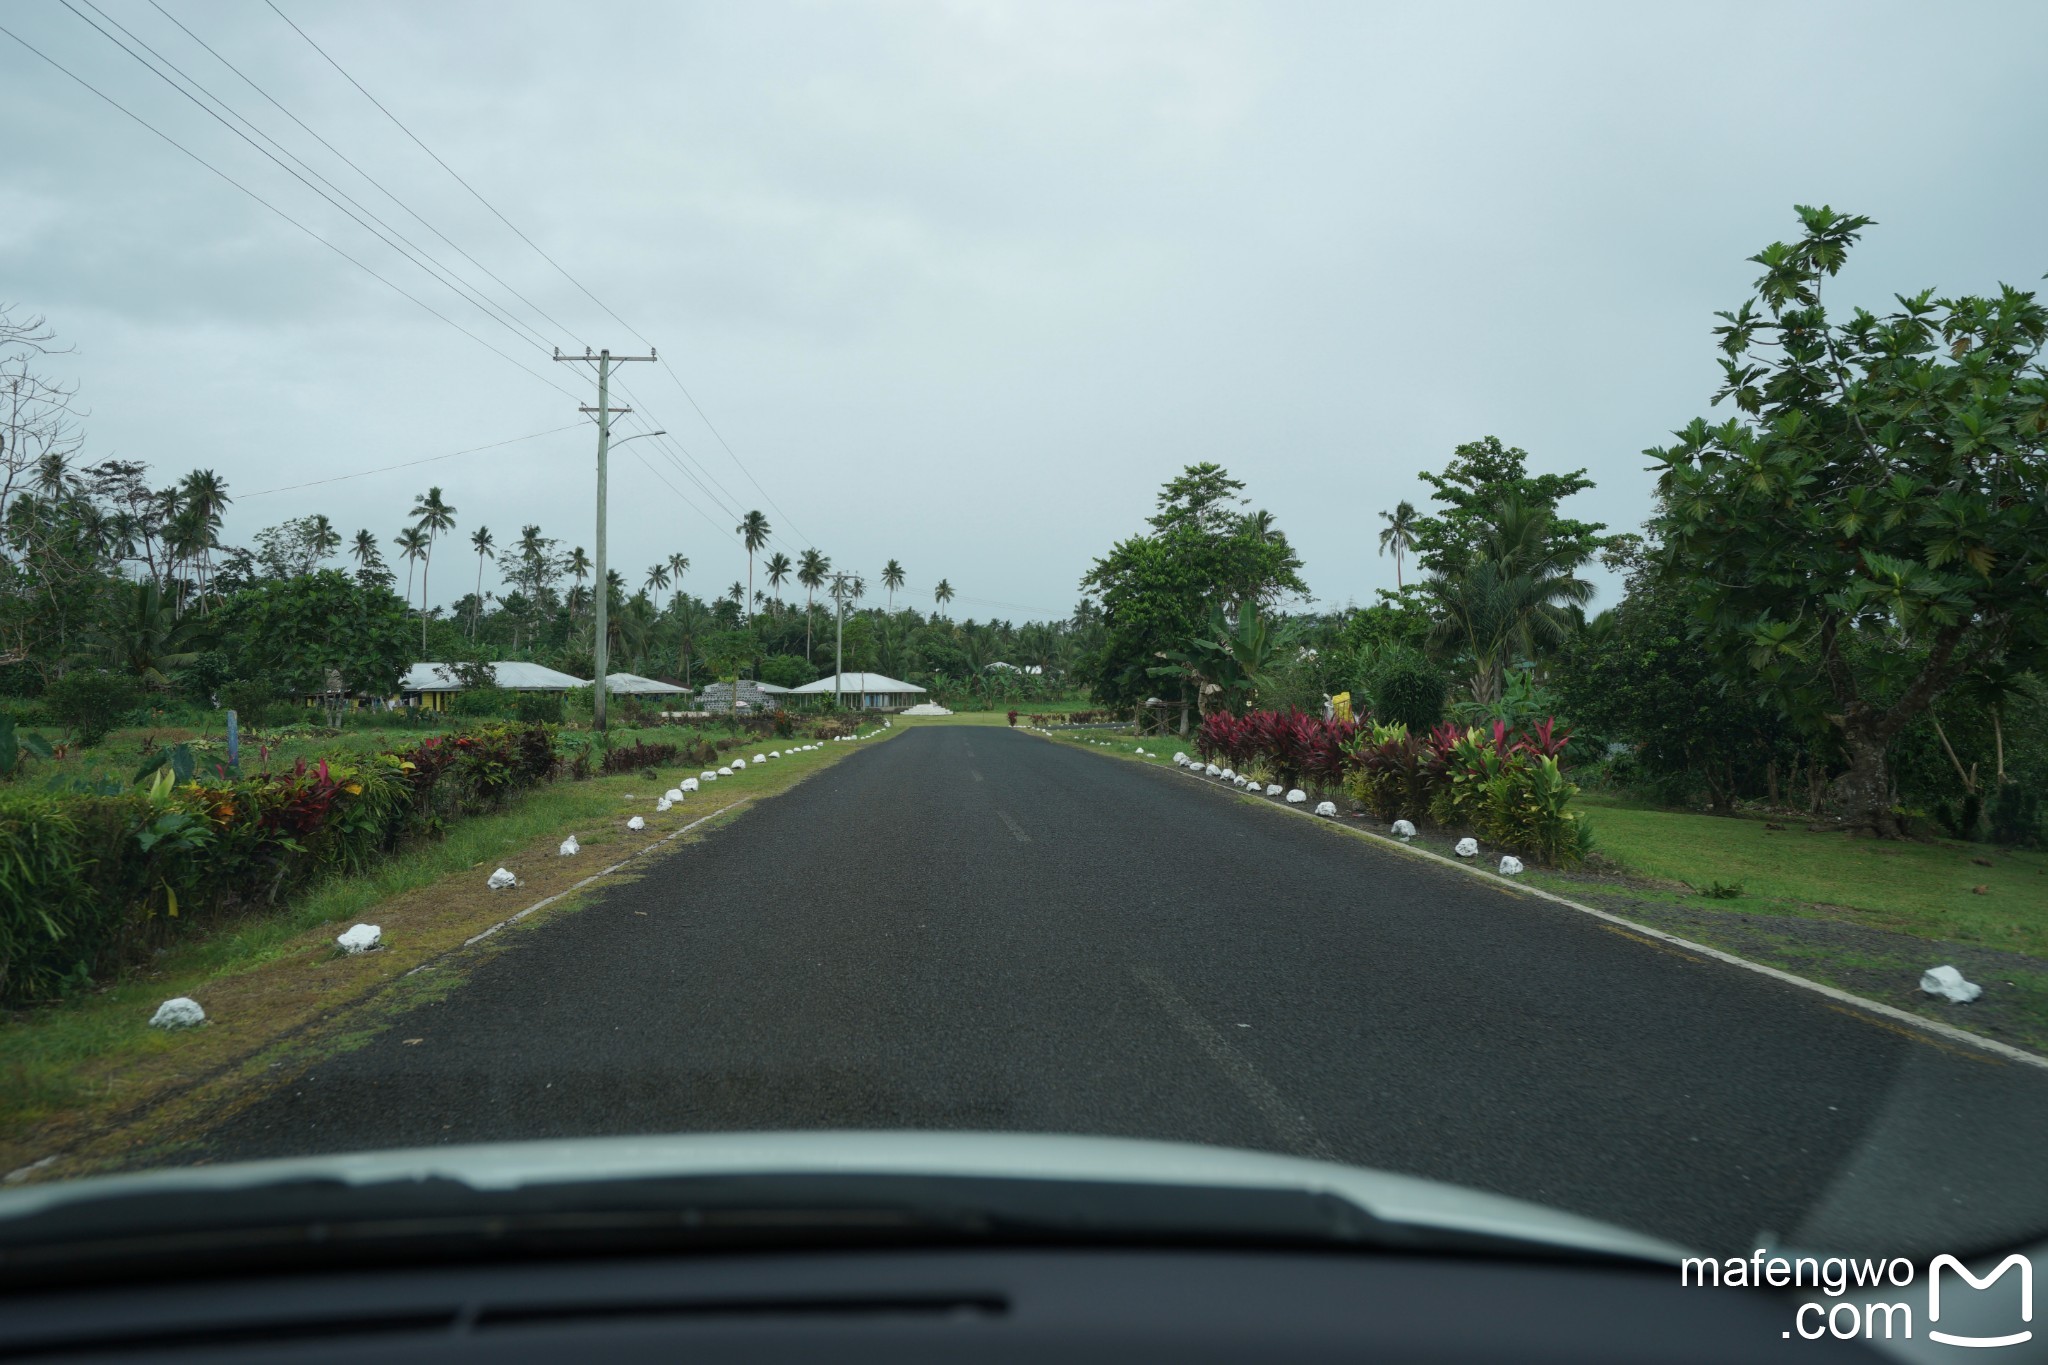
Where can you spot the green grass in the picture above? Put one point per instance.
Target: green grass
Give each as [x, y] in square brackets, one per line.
[1923, 889]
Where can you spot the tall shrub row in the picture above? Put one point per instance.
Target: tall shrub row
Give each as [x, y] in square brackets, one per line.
[87, 880]
[1510, 788]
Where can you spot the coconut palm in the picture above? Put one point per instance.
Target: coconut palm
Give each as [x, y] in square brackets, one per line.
[365, 549]
[206, 493]
[1398, 535]
[434, 516]
[778, 569]
[678, 565]
[753, 533]
[892, 579]
[1514, 596]
[322, 538]
[942, 594]
[150, 635]
[412, 543]
[811, 569]
[579, 568]
[692, 622]
[657, 576]
[480, 541]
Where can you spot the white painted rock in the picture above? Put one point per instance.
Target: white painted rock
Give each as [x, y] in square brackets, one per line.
[181, 1012]
[1945, 982]
[363, 937]
[637, 822]
[1273, 789]
[1229, 775]
[1467, 848]
[1296, 797]
[1510, 865]
[775, 753]
[1213, 771]
[673, 794]
[1141, 751]
[708, 775]
[737, 764]
[723, 772]
[1403, 830]
[760, 758]
[1180, 758]
[1327, 808]
[662, 805]
[501, 879]
[690, 784]
[570, 848]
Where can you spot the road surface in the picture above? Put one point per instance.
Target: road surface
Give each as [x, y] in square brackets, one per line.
[967, 927]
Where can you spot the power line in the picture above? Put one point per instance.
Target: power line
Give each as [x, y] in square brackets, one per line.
[330, 245]
[562, 270]
[367, 177]
[408, 464]
[415, 256]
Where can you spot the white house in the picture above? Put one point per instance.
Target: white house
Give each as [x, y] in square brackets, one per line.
[633, 685]
[430, 685]
[867, 691]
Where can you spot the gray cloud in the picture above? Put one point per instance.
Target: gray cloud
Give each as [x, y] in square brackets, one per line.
[964, 283]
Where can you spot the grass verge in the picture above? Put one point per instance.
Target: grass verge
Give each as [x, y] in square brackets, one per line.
[89, 1082]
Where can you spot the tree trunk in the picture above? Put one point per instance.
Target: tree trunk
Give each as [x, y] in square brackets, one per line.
[1863, 794]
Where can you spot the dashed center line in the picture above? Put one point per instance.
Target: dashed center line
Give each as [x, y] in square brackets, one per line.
[1290, 1124]
[1015, 828]
[975, 773]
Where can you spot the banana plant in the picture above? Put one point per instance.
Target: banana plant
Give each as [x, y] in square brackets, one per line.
[17, 746]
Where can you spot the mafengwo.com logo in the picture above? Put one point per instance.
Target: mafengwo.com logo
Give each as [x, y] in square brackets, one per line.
[1866, 1302]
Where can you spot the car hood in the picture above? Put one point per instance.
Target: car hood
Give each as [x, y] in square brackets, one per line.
[1399, 1200]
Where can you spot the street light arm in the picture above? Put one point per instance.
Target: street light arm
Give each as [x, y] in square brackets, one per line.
[636, 436]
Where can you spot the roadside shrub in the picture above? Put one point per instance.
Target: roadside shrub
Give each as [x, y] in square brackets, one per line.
[486, 702]
[1391, 778]
[627, 758]
[1410, 694]
[1528, 810]
[250, 699]
[90, 702]
[537, 708]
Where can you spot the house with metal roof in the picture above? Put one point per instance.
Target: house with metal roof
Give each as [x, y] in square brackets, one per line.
[429, 685]
[633, 685]
[867, 691]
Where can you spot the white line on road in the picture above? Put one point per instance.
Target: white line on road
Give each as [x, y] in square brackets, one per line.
[975, 773]
[1015, 828]
[1289, 1123]
[602, 872]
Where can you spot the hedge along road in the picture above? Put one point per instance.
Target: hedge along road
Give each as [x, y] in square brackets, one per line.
[976, 928]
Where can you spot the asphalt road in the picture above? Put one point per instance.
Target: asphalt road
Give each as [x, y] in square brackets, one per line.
[977, 928]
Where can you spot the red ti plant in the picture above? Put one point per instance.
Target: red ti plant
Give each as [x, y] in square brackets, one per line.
[1547, 740]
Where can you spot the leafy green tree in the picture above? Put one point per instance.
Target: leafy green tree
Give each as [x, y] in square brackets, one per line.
[1481, 476]
[1157, 591]
[296, 630]
[89, 702]
[149, 638]
[1886, 481]
[1508, 595]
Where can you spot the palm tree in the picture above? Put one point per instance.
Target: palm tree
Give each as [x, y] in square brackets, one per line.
[691, 622]
[753, 532]
[412, 543]
[1514, 596]
[1398, 534]
[206, 493]
[778, 568]
[579, 569]
[150, 636]
[365, 549]
[657, 576]
[892, 579]
[942, 594]
[434, 516]
[480, 541]
[811, 569]
[324, 539]
[678, 565]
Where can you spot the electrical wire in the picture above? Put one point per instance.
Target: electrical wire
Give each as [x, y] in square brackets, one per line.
[408, 464]
[324, 241]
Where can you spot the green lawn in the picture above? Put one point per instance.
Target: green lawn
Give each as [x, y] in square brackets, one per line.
[1922, 889]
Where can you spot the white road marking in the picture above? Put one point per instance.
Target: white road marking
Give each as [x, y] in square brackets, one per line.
[1015, 828]
[1289, 1123]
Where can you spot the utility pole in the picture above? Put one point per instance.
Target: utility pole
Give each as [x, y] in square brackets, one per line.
[604, 410]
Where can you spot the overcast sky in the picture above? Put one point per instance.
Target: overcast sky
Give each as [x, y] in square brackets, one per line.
[962, 284]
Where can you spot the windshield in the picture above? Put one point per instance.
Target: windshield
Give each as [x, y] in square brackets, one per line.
[1440, 593]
